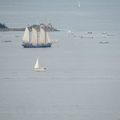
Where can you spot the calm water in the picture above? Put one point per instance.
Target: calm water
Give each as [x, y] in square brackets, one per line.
[82, 81]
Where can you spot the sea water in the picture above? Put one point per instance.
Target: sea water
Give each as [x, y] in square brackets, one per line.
[82, 80]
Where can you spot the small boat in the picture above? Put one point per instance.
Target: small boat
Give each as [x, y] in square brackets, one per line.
[103, 42]
[69, 31]
[89, 32]
[7, 41]
[38, 67]
[104, 33]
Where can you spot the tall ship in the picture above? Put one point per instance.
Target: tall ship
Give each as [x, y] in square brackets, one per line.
[36, 37]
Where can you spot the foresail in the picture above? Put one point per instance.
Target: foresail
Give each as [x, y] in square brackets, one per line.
[34, 37]
[26, 36]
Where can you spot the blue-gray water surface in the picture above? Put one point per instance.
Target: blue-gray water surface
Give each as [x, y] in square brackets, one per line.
[82, 80]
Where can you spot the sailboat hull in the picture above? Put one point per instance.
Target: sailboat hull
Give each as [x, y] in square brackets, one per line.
[40, 70]
[27, 45]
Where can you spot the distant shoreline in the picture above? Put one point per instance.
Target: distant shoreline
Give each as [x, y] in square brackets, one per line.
[22, 29]
[49, 29]
[11, 29]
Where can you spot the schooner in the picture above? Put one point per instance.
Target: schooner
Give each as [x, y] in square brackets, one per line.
[36, 37]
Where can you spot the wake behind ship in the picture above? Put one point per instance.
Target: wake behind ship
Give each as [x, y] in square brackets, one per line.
[36, 38]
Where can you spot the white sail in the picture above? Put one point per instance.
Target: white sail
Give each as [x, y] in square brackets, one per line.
[42, 39]
[34, 37]
[38, 37]
[48, 38]
[26, 36]
[37, 66]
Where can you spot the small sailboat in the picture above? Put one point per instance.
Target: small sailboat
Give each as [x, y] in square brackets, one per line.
[38, 67]
[103, 42]
[79, 4]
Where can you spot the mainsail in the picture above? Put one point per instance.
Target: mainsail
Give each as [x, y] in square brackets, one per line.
[48, 38]
[26, 36]
[34, 37]
[42, 39]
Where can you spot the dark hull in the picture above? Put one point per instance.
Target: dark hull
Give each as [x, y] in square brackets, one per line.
[37, 46]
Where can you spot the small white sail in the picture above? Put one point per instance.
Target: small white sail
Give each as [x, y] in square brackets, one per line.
[26, 36]
[34, 37]
[37, 66]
